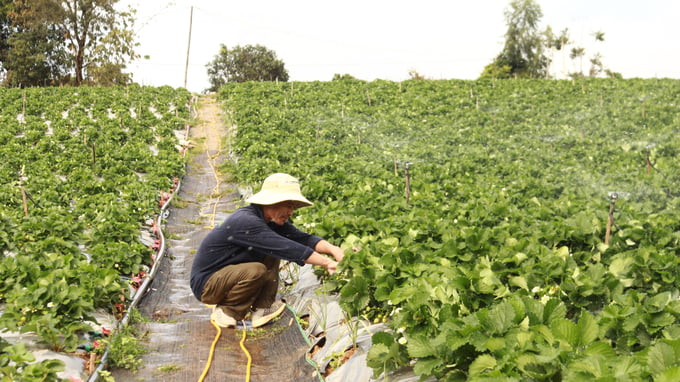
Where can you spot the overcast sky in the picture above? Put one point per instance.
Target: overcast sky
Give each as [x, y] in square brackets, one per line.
[371, 39]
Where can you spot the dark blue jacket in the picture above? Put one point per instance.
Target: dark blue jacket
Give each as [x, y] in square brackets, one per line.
[245, 237]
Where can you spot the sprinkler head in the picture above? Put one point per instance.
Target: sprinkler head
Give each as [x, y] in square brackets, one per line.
[615, 195]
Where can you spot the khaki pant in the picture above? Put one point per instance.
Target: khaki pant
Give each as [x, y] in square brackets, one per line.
[238, 288]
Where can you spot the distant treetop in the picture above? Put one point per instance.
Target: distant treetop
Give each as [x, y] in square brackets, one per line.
[247, 63]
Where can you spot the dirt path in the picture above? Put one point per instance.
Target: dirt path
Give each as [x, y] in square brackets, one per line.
[179, 334]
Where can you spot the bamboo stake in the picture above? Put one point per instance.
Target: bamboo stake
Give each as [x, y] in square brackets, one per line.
[610, 218]
[407, 182]
[23, 191]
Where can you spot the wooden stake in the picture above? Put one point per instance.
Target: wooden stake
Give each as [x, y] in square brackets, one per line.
[610, 219]
[91, 364]
[23, 191]
[407, 182]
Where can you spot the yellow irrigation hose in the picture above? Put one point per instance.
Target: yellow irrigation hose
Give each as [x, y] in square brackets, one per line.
[243, 346]
[212, 350]
[216, 190]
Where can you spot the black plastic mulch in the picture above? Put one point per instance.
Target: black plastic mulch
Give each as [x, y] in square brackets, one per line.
[178, 333]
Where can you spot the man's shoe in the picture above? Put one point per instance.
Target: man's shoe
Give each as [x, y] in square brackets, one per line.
[262, 316]
[222, 319]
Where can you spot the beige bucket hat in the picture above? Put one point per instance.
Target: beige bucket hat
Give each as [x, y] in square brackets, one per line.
[277, 188]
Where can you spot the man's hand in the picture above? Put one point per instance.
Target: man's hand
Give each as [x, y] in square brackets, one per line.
[321, 260]
[331, 267]
[337, 253]
[329, 249]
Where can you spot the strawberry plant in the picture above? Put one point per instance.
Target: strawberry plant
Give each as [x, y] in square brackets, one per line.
[18, 364]
[479, 212]
[82, 173]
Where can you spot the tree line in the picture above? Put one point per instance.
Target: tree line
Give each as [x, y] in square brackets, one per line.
[528, 52]
[75, 42]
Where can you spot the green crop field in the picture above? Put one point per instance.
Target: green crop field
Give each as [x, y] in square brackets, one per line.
[82, 173]
[509, 230]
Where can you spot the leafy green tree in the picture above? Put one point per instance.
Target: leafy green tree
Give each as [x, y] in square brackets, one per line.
[343, 77]
[46, 41]
[524, 47]
[247, 63]
[32, 51]
[5, 27]
[4, 34]
[556, 43]
[414, 75]
[562, 40]
[578, 52]
[596, 65]
[30, 61]
[98, 36]
[495, 71]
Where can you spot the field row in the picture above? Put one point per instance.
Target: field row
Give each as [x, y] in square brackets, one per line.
[83, 172]
[517, 229]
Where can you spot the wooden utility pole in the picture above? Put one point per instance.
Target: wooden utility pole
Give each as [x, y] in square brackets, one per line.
[186, 66]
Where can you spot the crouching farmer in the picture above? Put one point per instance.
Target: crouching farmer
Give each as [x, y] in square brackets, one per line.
[236, 267]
